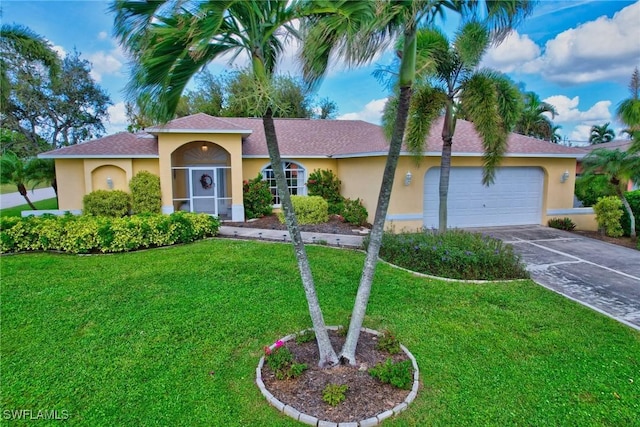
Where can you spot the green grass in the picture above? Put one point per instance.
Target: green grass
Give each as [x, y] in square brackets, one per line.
[172, 337]
[41, 205]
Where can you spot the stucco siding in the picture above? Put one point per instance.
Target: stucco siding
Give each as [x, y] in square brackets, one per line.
[149, 165]
[71, 183]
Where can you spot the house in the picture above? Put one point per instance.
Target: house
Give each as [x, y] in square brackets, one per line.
[202, 162]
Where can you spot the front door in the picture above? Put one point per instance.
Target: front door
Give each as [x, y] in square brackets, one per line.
[204, 190]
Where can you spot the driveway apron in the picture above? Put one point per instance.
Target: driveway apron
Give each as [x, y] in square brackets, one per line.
[600, 275]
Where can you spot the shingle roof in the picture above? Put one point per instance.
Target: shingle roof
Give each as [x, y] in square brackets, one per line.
[305, 138]
[619, 144]
[123, 145]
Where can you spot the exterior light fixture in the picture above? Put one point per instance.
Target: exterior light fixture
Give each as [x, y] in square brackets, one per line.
[204, 148]
[407, 178]
[565, 176]
[109, 183]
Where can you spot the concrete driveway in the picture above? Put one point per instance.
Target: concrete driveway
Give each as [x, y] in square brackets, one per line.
[600, 275]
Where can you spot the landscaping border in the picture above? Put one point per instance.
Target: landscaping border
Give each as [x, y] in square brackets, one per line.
[313, 421]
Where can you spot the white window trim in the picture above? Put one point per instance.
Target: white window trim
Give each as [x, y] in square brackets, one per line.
[301, 187]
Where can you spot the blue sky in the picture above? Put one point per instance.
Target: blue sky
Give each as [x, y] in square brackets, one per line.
[577, 55]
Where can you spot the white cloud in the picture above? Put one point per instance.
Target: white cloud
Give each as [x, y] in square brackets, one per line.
[580, 134]
[117, 118]
[103, 35]
[568, 110]
[60, 51]
[513, 53]
[606, 48]
[372, 112]
[105, 63]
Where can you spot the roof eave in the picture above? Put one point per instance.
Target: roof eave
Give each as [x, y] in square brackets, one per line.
[243, 132]
[98, 156]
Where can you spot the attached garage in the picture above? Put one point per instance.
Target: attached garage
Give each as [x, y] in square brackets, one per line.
[515, 198]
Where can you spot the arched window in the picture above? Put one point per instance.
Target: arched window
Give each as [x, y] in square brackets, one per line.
[296, 178]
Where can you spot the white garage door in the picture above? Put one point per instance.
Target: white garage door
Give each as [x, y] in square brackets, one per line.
[515, 198]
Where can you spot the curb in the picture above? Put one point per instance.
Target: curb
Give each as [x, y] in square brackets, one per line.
[313, 421]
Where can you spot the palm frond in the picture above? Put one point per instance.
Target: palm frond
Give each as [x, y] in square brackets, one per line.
[427, 104]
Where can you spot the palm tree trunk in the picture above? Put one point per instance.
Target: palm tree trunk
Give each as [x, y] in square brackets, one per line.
[632, 218]
[348, 352]
[23, 192]
[328, 355]
[445, 168]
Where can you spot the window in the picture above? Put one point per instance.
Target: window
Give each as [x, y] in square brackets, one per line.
[296, 179]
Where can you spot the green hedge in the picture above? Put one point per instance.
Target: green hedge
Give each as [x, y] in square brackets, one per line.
[309, 210]
[111, 203]
[90, 234]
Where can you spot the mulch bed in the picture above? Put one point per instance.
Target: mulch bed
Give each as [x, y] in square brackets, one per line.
[366, 396]
[335, 225]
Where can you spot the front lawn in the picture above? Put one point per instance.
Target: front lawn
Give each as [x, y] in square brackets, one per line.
[46, 204]
[172, 336]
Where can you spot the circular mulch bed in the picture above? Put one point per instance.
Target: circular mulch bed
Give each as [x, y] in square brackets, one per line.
[367, 399]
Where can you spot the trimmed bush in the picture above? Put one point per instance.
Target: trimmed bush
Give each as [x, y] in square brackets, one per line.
[257, 198]
[608, 214]
[309, 210]
[633, 197]
[354, 212]
[146, 197]
[111, 203]
[90, 234]
[562, 223]
[325, 183]
[456, 254]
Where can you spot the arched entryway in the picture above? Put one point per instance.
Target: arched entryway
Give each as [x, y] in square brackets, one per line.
[201, 179]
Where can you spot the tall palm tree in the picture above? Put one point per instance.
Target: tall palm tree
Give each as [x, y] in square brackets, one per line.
[533, 120]
[394, 20]
[170, 41]
[13, 170]
[488, 99]
[619, 167]
[42, 171]
[556, 138]
[601, 134]
[629, 111]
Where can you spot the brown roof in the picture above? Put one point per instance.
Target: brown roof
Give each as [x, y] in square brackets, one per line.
[305, 138]
[619, 144]
[122, 144]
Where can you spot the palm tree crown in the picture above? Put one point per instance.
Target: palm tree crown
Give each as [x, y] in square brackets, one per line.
[601, 134]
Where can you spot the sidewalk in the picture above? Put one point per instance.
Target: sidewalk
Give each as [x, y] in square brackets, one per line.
[340, 240]
[10, 200]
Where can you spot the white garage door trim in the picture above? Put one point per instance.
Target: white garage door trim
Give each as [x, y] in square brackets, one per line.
[515, 198]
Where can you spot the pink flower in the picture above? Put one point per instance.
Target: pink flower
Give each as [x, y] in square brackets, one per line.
[279, 344]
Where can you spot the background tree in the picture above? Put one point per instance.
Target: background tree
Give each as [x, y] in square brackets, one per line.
[208, 96]
[619, 167]
[13, 170]
[19, 144]
[534, 120]
[329, 33]
[42, 171]
[601, 134]
[327, 109]
[46, 99]
[628, 111]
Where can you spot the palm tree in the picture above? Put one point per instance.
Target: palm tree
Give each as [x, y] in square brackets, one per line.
[323, 36]
[42, 171]
[172, 41]
[629, 111]
[556, 138]
[487, 98]
[619, 167]
[13, 170]
[601, 134]
[533, 120]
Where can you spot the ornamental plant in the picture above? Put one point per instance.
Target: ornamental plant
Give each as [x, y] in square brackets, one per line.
[309, 210]
[145, 193]
[280, 360]
[334, 394]
[398, 374]
[388, 343]
[257, 198]
[562, 223]
[325, 183]
[111, 203]
[608, 214]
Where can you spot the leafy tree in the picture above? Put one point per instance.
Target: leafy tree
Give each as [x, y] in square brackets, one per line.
[534, 120]
[327, 109]
[208, 97]
[13, 170]
[330, 32]
[601, 134]
[487, 98]
[58, 102]
[19, 144]
[619, 167]
[40, 171]
[629, 111]
[170, 42]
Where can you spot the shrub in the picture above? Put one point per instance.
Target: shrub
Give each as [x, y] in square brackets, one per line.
[633, 197]
[398, 374]
[146, 196]
[309, 209]
[280, 361]
[325, 183]
[388, 343]
[589, 188]
[562, 223]
[354, 212]
[456, 254]
[608, 213]
[113, 203]
[305, 336]
[86, 233]
[334, 394]
[257, 198]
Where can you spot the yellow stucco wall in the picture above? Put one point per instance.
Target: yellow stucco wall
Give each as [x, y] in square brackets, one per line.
[71, 183]
[149, 165]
